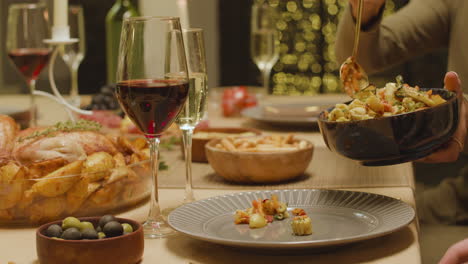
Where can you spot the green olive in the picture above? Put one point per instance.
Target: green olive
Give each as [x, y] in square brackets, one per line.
[101, 235]
[86, 225]
[127, 228]
[71, 222]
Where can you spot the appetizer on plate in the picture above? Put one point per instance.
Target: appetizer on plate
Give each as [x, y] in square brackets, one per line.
[262, 212]
[301, 224]
[266, 211]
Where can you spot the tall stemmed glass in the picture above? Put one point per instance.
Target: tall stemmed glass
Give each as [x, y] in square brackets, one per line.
[151, 49]
[264, 40]
[73, 54]
[27, 28]
[194, 109]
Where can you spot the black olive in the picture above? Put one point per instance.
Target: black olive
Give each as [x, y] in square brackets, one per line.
[105, 219]
[89, 233]
[54, 231]
[113, 229]
[71, 233]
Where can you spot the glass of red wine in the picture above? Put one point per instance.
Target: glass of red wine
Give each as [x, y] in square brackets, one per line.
[27, 28]
[152, 87]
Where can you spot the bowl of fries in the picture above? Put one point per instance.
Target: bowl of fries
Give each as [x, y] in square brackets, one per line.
[202, 136]
[259, 159]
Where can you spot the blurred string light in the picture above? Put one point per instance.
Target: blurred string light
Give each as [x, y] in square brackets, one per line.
[307, 29]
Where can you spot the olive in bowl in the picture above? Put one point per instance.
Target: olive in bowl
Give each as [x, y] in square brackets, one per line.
[393, 139]
[125, 248]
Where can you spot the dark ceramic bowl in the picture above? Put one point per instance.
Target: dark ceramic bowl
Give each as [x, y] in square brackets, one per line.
[394, 139]
[122, 249]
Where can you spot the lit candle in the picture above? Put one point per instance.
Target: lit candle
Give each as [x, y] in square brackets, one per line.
[60, 13]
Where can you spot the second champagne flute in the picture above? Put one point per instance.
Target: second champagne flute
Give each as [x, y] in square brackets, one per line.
[194, 109]
[151, 48]
[264, 40]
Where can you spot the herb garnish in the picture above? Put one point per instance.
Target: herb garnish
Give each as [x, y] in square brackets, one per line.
[67, 126]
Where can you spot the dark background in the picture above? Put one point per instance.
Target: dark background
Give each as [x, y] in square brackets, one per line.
[235, 65]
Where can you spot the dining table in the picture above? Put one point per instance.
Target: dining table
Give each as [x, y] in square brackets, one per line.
[327, 170]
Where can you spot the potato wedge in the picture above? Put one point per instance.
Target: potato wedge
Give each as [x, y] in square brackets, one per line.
[12, 183]
[55, 184]
[107, 195]
[98, 165]
[121, 173]
[27, 199]
[119, 160]
[40, 169]
[47, 209]
[140, 143]
[77, 195]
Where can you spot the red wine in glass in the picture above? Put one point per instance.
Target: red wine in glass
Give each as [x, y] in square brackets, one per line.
[30, 61]
[152, 105]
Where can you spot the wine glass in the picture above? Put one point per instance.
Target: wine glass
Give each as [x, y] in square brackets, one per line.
[73, 53]
[27, 28]
[264, 40]
[151, 50]
[194, 109]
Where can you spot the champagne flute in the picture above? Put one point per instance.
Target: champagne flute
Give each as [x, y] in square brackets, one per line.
[27, 28]
[73, 54]
[194, 109]
[152, 48]
[264, 40]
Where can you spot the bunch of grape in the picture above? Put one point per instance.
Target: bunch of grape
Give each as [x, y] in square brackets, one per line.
[104, 100]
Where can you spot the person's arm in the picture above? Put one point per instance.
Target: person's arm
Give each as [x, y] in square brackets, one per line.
[418, 27]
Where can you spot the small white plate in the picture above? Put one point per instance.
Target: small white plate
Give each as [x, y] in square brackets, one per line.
[298, 113]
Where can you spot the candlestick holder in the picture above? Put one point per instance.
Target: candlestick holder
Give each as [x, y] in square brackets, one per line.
[60, 37]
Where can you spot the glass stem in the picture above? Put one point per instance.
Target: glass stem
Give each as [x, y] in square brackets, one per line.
[33, 106]
[266, 79]
[74, 98]
[187, 139]
[155, 211]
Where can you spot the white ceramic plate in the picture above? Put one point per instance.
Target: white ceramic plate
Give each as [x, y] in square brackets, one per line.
[296, 112]
[338, 217]
[257, 113]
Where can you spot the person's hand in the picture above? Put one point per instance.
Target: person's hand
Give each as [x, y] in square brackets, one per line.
[450, 152]
[456, 254]
[370, 9]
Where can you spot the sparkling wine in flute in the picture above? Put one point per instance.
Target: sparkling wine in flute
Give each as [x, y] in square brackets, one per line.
[264, 51]
[195, 107]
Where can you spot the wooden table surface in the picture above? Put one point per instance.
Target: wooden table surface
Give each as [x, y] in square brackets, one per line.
[18, 245]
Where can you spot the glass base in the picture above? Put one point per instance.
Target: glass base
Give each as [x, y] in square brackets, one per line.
[189, 200]
[157, 229]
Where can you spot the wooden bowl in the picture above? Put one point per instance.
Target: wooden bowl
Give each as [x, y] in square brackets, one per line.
[122, 249]
[198, 144]
[258, 167]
